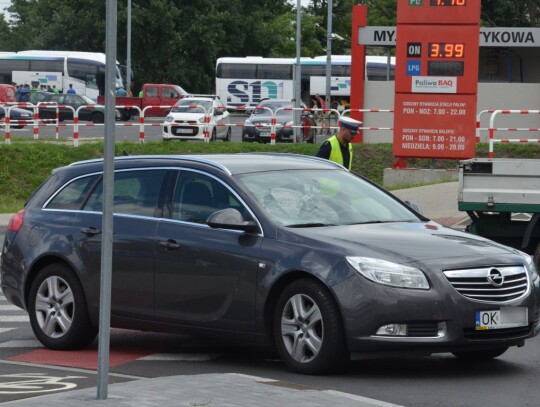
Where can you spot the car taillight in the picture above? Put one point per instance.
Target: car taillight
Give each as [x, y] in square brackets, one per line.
[16, 221]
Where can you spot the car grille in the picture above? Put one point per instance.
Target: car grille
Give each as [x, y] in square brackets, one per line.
[423, 329]
[507, 333]
[490, 284]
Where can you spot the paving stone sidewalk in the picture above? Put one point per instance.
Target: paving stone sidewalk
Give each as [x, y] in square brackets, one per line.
[207, 390]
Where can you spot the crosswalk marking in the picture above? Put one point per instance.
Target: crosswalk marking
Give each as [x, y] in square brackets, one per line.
[14, 318]
[9, 308]
[21, 344]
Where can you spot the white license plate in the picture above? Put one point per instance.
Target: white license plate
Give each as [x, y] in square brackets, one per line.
[187, 131]
[264, 134]
[506, 317]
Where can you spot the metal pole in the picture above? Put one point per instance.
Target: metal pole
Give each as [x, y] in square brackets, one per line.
[328, 54]
[108, 191]
[128, 62]
[298, 71]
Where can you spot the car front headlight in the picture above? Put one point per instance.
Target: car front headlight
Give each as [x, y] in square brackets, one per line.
[248, 123]
[201, 119]
[388, 273]
[169, 118]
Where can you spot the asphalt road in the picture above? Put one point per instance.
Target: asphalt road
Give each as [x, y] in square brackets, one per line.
[442, 380]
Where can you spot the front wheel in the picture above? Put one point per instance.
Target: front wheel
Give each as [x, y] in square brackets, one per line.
[477, 355]
[214, 134]
[308, 332]
[57, 310]
[228, 136]
[98, 117]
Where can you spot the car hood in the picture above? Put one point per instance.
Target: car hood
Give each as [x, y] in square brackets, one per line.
[400, 242]
[186, 115]
[17, 111]
[267, 119]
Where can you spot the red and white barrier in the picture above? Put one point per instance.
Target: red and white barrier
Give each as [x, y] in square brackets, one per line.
[492, 129]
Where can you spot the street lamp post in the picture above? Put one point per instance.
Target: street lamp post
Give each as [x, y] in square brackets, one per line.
[298, 71]
[128, 62]
[328, 54]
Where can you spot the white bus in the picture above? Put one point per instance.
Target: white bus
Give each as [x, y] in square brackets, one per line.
[85, 70]
[244, 82]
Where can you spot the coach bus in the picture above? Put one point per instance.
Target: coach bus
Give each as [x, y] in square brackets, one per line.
[84, 70]
[244, 82]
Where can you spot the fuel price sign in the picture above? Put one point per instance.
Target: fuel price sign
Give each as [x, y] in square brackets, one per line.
[436, 78]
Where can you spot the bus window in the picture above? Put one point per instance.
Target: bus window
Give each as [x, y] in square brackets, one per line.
[83, 70]
[244, 71]
[7, 66]
[56, 65]
[273, 71]
[378, 72]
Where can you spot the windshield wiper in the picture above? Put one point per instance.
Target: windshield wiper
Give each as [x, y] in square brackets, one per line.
[310, 225]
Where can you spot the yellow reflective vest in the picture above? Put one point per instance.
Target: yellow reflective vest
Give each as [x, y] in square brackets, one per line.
[335, 152]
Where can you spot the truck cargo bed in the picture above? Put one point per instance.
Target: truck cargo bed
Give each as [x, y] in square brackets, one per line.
[499, 185]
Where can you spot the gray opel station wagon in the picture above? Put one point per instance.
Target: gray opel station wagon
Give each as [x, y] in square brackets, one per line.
[280, 249]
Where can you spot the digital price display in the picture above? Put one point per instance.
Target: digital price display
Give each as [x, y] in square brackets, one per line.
[442, 51]
[445, 68]
[446, 50]
[447, 3]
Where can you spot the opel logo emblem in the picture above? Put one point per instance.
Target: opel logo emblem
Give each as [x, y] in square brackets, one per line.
[495, 278]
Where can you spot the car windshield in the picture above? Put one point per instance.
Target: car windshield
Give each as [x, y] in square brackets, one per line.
[87, 100]
[192, 106]
[301, 198]
[264, 108]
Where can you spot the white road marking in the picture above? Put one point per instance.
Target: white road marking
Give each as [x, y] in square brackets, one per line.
[2, 330]
[10, 308]
[181, 357]
[373, 402]
[21, 344]
[14, 318]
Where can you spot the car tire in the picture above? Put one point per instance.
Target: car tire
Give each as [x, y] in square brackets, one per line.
[60, 318]
[126, 115]
[47, 116]
[98, 117]
[480, 354]
[228, 136]
[308, 332]
[213, 136]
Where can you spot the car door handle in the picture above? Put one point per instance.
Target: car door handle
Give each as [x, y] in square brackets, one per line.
[169, 244]
[90, 231]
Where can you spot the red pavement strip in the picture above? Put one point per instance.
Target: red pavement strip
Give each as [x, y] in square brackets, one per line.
[83, 359]
[450, 221]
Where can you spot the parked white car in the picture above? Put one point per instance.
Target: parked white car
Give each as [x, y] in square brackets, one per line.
[186, 119]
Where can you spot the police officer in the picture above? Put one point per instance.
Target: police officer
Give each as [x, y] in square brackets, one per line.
[338, 148]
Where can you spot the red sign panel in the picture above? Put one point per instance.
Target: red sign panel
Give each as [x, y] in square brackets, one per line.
[435, 126]
[436, 78]
[429, 51]
[438, 12]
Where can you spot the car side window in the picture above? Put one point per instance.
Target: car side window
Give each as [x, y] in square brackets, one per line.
[72, 195]
[135, 193]
[197, 196]
[152, 91]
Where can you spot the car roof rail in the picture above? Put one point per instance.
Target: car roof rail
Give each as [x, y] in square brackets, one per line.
[179, 157]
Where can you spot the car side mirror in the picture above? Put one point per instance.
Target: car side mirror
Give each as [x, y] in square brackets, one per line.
[414, 206]
[218, 112]
[230, 218]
